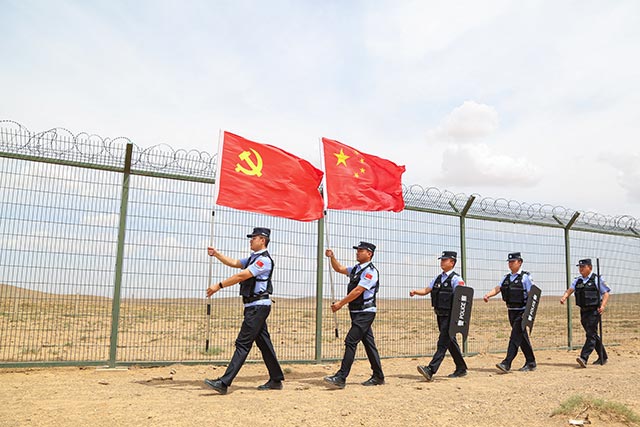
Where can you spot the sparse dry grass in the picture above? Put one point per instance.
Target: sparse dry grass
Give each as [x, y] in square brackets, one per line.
[43, 327]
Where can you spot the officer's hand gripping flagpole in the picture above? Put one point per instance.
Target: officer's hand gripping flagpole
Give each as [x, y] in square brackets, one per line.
[600, 353]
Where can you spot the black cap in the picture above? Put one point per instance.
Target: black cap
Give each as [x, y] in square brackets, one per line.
[260, 231]
[514, 256]
[449, 255]
[366, 245]
[586, 261]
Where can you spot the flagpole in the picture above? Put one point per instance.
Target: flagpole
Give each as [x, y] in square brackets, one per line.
[213, 214]
[326, 235]
[333, 290]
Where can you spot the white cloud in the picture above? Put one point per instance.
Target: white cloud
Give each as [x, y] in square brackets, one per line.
[479, 165]
[469, 121]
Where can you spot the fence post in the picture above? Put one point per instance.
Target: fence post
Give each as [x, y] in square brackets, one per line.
[115, 308]
[567, 256]
[463, 250]
[319, 289]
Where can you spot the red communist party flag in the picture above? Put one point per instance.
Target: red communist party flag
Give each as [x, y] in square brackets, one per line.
[265, 179]
[360, 182]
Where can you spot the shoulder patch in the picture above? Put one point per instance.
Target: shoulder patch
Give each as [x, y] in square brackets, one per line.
[368, 276]
[259, 263]
[460, 282]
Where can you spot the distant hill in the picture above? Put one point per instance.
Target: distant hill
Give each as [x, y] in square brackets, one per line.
[10, 291]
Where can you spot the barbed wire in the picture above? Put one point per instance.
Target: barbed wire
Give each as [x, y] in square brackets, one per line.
[434, 198]
[60, 143]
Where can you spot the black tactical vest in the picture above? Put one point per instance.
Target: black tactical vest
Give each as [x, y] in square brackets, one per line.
[248, 287]
[442, 294]
[587, 293]
[513, 293]
[354, 279]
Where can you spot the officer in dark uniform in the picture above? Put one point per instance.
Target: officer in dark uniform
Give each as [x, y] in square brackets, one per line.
[361, 297]
[255, 288]
[441, 289]
[515, 288]
[591, 296]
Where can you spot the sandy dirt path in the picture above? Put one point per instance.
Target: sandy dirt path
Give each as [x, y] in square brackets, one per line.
[87, 396]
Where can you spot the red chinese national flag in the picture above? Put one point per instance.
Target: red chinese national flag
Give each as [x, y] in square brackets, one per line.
[359, 181]
[265, 179]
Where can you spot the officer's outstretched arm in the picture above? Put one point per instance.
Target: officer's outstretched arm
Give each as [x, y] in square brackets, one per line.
[354, 294]
[236, 278]
[231, 262]
[421, 292]
[334, 262]
[493, 292]
[566, 295]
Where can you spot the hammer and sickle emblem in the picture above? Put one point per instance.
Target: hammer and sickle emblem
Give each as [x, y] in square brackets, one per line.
[254, 169]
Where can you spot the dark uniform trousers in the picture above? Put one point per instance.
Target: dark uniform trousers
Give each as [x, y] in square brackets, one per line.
[518, 339]
[254, 328]
[590, 319]
[360, 331]
[445, 342]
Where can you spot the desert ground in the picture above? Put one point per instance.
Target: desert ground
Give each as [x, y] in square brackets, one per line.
[36, 327]
[156, 396]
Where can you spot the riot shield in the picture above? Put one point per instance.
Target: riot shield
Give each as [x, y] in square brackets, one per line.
[532, 308]
[461, 311]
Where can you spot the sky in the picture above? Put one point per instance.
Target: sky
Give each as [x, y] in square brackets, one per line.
[533, 101]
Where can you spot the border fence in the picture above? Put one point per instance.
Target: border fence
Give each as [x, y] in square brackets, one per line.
[103, 261]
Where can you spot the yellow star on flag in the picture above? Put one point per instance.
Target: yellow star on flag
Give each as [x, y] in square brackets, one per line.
[342, 158]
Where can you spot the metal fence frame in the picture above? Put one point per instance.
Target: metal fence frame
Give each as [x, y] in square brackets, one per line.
[61, 147]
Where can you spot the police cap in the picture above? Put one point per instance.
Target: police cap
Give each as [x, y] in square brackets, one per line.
[260, 231]
[514, 256]
[366, 245]
[449, 255]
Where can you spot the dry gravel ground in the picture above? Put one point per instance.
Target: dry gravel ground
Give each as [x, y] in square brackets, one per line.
[140, 397]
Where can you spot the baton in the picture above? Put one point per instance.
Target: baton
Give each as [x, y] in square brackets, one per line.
[600, 314]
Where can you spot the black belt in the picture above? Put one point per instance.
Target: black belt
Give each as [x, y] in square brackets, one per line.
[362, 307]
[247, 300]
[516, 306]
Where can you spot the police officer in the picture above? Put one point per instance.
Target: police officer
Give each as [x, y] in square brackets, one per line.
[441, 289]
[255, 288]
[592, 294]
[361, 297]
[515, 288]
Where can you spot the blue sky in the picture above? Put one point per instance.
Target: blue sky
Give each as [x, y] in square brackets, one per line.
[534, 101]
